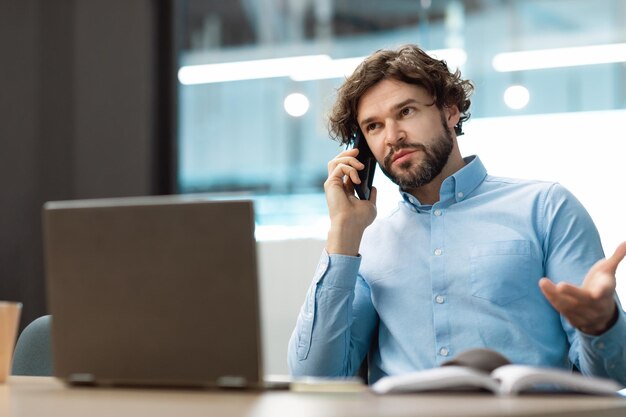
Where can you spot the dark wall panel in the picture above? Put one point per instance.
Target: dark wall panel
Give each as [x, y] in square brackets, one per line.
[79, 118]
[113, 66]
[20, 261]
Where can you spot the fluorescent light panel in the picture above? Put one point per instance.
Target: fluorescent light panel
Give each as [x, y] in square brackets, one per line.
[248, 70]
[317, 67]
[336, 68]
[341, 68]
[454, 57]
[560, 57]
[298, 68]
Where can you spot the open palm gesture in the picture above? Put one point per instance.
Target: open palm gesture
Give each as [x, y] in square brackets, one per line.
[591, 307]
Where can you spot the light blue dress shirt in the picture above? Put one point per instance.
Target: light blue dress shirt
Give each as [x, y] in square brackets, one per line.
[433, 281]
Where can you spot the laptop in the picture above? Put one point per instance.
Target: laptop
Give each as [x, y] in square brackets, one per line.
[154, 291]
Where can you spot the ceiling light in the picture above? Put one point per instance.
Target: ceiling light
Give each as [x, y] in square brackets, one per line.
[249, 70]
[296, 104]
[516, 97]
[298, 68]
[560, 57]
[336, 68]
[342, 68]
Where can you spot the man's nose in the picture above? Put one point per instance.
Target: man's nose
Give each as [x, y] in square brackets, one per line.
[394, 133]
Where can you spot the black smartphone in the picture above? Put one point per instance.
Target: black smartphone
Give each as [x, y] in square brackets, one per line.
[366, 175]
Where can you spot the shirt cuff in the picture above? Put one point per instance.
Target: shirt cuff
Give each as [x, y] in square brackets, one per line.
[608, 343]
[339, 271]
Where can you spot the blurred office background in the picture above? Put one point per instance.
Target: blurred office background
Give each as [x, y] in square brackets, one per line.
[229, 98]
[257, 78]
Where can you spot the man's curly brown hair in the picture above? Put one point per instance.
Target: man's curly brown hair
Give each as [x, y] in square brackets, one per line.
[408, 64]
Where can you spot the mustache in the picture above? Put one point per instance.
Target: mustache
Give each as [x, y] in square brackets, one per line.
[393, 150]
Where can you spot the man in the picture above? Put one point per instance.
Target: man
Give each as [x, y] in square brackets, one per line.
[461, 262]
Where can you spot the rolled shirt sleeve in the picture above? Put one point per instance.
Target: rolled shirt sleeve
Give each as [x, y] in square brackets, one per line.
[327, 340]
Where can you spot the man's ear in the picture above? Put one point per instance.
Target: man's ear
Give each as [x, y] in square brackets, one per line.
[453, 115]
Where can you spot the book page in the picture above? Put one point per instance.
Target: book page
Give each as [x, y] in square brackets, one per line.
[517, 378]
[448, 378]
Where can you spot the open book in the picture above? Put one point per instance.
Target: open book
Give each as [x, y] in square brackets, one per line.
[483, 369]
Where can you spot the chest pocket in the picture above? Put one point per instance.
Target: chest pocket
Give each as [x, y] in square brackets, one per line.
[500, 271]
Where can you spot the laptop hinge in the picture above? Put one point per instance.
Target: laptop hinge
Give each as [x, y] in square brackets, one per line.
[232, 381]
[81, 379]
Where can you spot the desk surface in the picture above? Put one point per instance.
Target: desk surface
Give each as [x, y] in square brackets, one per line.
[36, 396]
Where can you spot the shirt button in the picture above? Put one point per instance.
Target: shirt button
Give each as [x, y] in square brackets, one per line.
[438, 252]
[443, 351]
[600, 345]
[460, 194]
[439, 299]
[437, 212]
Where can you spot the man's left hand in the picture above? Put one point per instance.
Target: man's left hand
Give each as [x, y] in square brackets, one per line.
[591, 308]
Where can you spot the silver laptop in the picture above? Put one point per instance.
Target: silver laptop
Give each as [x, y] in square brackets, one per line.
[153, 291]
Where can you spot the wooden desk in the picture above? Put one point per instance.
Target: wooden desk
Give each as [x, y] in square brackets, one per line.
[36, 396]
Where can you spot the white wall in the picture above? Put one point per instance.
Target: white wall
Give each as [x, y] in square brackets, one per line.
[586, 152]
[286, 269]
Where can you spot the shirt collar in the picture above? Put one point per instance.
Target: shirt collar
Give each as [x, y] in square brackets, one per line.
[457, 186]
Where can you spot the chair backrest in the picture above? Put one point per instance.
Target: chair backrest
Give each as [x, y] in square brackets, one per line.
[33, 350]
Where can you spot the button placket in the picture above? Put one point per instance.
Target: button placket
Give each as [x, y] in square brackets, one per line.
[438, 281]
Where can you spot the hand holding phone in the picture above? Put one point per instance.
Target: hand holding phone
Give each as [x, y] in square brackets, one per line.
[366, 175]
[349, 218]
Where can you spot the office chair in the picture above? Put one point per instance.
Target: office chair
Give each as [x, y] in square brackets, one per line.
[33, 350]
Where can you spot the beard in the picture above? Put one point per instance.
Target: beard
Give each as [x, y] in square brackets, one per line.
[411, 174]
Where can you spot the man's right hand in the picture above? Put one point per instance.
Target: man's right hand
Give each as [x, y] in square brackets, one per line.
[349, 216]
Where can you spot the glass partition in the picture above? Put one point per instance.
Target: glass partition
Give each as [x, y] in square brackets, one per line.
[257, 78]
